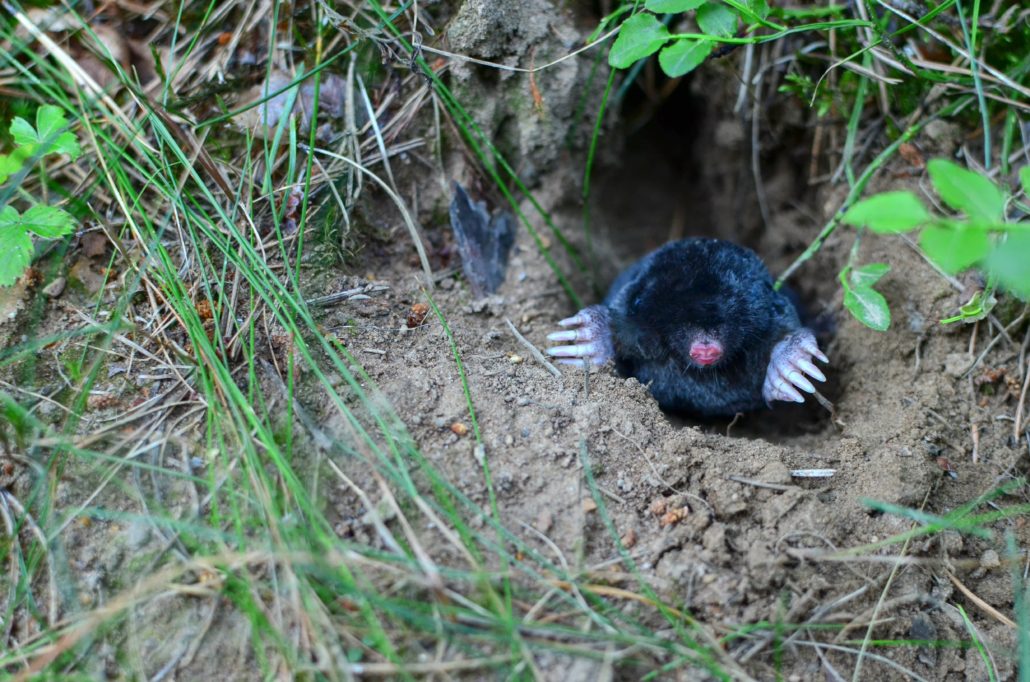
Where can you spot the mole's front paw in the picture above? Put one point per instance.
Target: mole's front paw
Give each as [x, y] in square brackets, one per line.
[591, 336]
[791, 360]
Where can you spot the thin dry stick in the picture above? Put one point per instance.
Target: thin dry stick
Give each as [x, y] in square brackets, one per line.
[980, 603]
[1022, 402]
[533, 350]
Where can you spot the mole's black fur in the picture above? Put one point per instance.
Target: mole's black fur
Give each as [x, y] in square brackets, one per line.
[660, 304]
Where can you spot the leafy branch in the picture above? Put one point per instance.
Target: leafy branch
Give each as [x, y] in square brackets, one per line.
[978, 237]
[50, 135]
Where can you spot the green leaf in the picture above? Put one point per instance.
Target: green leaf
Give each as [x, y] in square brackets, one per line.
[1008, 261]
[954, 246]
[48, 222]
[759, 7]
[1024, 179]
[50, 122]
[683, 56]
[23, 132]
[888, 213]
[672, 6]
[16, 247]
[966, 191]
[717, 19]
[976, 308]
[869, 307]
[641, 36]
[47, 135]
[868, 275]
[9, 165]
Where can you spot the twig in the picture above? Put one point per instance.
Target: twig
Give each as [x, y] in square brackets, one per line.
[533, 350]
[1022, 402]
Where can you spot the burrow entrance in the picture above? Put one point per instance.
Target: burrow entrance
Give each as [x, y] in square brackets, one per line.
[687, 165]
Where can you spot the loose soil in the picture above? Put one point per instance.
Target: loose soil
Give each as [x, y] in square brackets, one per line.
[710, 512]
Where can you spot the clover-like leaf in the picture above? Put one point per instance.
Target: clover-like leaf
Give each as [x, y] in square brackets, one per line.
[966, 191]
[11, 164]
[954, 246]
[47, 136]
[683, 56]
[717, 19]
[48, 222]
[15, 247]
[52, 127]
[672, 6]
[640, 36]
[888, 213]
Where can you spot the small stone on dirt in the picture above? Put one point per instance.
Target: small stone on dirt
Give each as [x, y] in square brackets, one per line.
[990, 560]
[589, 506]
[956, 364]
[54, 289]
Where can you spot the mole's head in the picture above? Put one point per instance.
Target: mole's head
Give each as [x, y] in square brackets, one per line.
[702, 324]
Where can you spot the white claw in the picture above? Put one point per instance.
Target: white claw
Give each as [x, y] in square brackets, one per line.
[571, 335]
[812, 347]
[811, 370]
[578, 318]
[581, 350]
[786, 390]
[795, 377]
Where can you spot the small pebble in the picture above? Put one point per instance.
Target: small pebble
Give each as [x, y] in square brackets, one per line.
[54, 289]
[990, 560]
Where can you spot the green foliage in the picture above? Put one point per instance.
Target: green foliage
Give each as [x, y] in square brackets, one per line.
[48, 136]
[979, 237]
[888, 213]
[867, 305]
[643, 34]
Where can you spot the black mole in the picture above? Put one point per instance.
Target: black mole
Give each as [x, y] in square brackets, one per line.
[699, 322]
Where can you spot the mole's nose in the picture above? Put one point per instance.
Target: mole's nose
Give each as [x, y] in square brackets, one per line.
[705, 353]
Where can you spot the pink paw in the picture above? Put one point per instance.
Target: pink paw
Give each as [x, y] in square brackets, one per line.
[791, 360]
[592, 340]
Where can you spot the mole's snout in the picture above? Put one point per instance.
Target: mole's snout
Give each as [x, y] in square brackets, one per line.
[705, 352]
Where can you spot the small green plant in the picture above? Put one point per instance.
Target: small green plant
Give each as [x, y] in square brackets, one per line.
[49, 136]
[644, 34]
[978, 237]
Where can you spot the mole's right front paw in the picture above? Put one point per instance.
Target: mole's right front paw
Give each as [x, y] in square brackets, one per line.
[591, 336]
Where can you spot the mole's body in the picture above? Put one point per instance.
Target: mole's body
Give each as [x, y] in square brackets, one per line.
[698, 321]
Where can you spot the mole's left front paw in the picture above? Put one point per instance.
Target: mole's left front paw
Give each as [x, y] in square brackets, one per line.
[591, 337]
[791, 360]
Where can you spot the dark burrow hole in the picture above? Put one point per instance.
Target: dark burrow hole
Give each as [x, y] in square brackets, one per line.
[685, 169]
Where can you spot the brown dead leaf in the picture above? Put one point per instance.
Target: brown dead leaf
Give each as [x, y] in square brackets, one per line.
[94, 244]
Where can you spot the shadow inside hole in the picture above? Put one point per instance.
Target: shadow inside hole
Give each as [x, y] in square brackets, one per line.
[784, 423]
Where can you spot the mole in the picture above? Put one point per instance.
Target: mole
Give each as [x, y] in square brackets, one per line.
[699, 322]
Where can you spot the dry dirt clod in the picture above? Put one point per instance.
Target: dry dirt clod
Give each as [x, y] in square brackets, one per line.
[459, 429]
[589, 505]
[658, 506]
[674, 516]
[417, 315]
[629, 539]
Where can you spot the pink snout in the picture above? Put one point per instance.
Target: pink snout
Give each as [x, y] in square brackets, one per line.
[705, 353]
